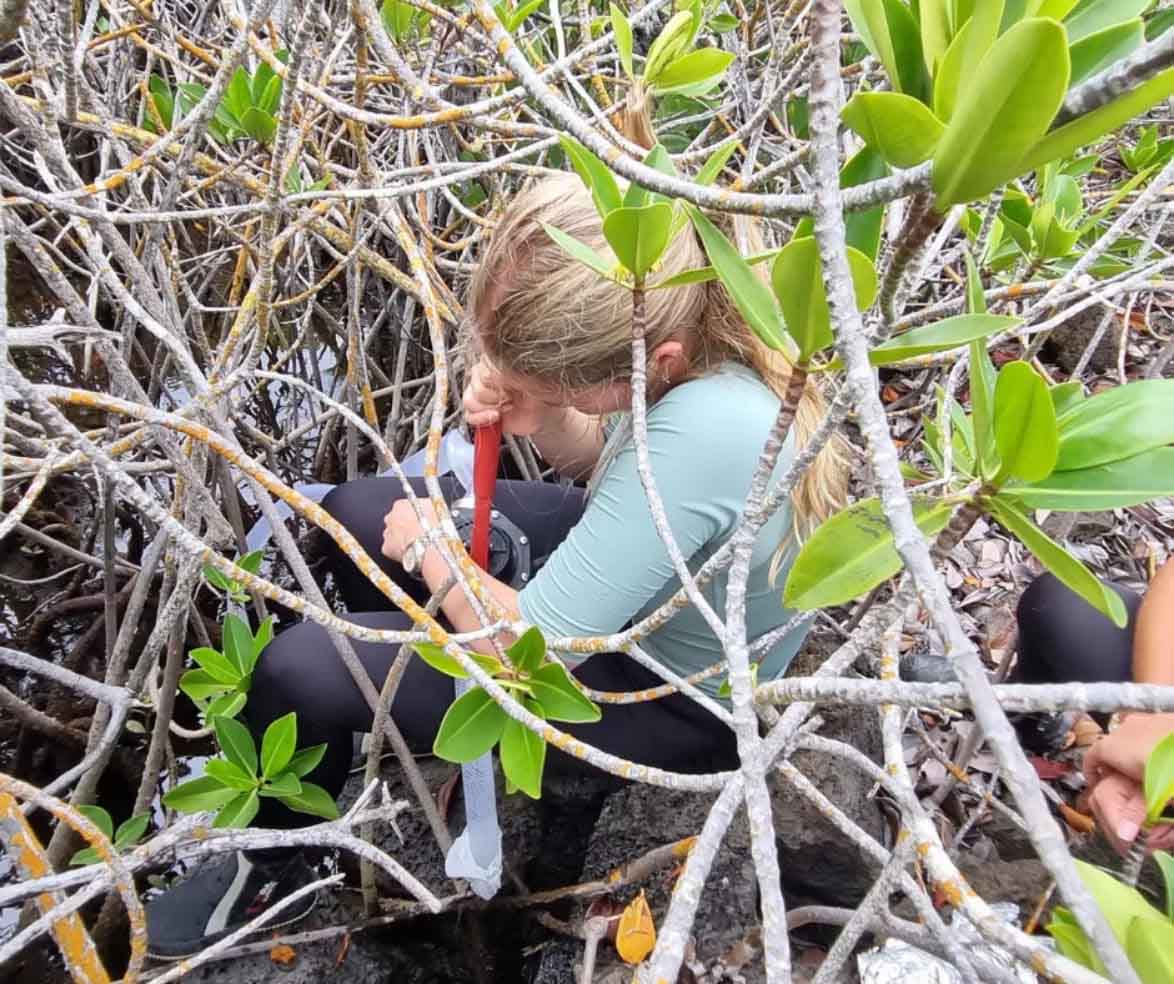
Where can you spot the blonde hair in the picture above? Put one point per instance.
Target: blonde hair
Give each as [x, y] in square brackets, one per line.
[549, 317]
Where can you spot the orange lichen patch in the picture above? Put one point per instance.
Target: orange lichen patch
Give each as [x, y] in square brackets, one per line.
[684, 846]
[283, 955]
[69, 932]
[952, 891]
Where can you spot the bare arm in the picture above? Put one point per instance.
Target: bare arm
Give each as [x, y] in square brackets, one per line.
[1153, 639]
[1115, 765]
[456, 605]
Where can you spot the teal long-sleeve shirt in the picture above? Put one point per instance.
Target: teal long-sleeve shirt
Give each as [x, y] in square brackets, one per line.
[704, 439]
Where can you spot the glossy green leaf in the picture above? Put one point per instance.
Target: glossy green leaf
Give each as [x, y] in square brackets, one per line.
[238, 97]
[1150, 946]
[623, 33]
[716, 161]
[580, 251]
[160, 94]
[306, 760]
[131, 831]
[1066, 395]
[1025, 423]
[1055, 9]
[1165, 863]
[750, 295]
[238, 812]
[439, 660]
[1053, 238]
[218, 666]
[667, 45]
[262, 639]
[890, 32]
[560, 698]
[1092, 17]
[236, 743]
[852, 552]
[229, 774]
[704, 274]
[941, 336]
[1098, 51]
[99, 817]
[1116, 424]
[639, 236]
[226, 705]
[1119, 903]
[1057, 560]
[637, 196]
[797, 279]
[723, 23]
[471, 727]
[1116, 485]
[982, 377]
[251, 561]
[238, 644]
[271, 98]
[216, 578]
[259, 125]
[1002, 113]
[198, 795]
[605, 192]
[279, 787]
[900, 128]
[966, 52]
[522, 13]
[1159, 778]
[696, 66]
[862, 230]
[278, 744]
[314, 800]
[523, 756]
[1158, 23]
[528, 650]
[1065, 140]
[199, 685]
[1071, 940]
[935, 31]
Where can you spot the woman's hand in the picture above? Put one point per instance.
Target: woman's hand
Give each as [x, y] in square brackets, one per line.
[1115, 768]
[487, 399]
[401, 528]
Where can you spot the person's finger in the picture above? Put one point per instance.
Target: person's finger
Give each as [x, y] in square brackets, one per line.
[483, 418]
[1119, 806]
[1161, 838]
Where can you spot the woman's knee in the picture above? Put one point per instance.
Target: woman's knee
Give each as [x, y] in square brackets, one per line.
[1063, 637]
[283, 669]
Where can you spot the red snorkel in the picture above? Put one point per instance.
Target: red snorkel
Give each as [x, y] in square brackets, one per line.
[486, 452]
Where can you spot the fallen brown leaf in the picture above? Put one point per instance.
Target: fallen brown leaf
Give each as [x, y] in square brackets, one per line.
[1079, 822]
[283, 955]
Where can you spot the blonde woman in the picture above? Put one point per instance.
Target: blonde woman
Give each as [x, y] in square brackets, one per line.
[553, 347]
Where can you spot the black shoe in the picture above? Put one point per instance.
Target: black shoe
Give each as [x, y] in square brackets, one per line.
[221, 897]
[1043, 733]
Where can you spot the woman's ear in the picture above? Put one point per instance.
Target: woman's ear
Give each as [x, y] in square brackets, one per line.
[667, 362]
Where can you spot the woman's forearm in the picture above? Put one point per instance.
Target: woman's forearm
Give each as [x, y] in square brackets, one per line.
[456, 607]
[1153, 638]
[571, 441]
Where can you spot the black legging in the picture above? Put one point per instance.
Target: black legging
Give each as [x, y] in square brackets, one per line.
[1061, 638]
[301, 671]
